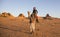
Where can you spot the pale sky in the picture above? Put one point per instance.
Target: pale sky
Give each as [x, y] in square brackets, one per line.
[15, 7]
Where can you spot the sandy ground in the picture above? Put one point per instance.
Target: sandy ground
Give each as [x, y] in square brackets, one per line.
[19, 27]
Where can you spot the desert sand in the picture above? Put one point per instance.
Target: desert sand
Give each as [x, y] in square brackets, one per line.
[19, 27]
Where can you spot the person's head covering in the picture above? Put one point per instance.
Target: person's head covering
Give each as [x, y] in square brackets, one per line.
[34, 8]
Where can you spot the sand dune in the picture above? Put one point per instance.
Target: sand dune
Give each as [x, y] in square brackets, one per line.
[18, 27]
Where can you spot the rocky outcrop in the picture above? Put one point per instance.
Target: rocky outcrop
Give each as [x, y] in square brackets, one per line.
[21, 16]
[47, 16]
[4, 14]
[8, 15]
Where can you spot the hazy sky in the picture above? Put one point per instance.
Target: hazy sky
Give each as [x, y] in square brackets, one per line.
[16, 7]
